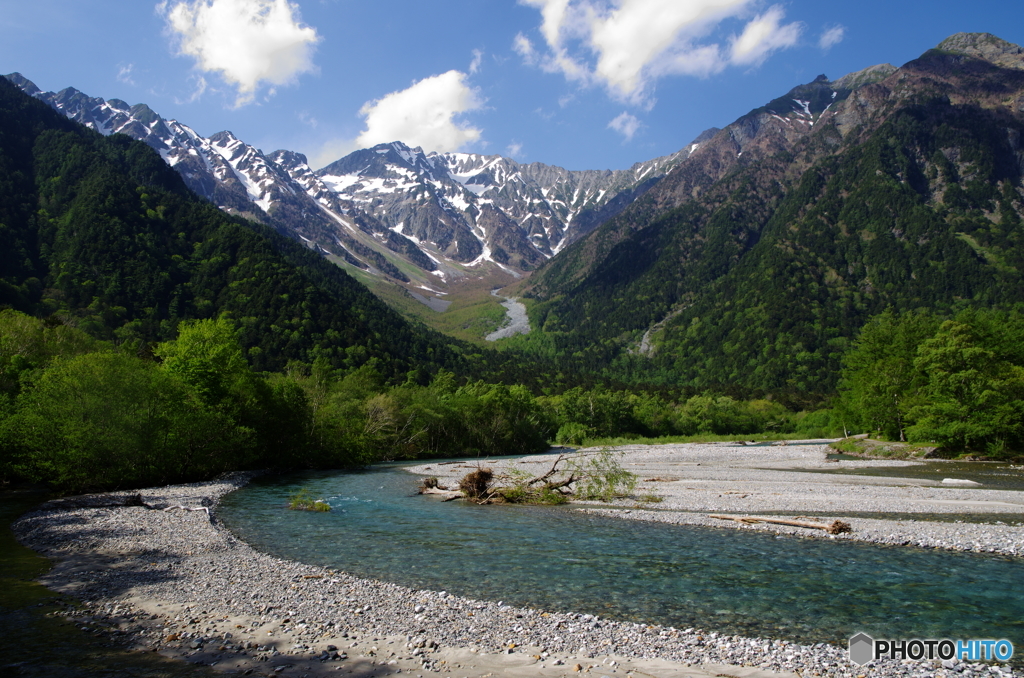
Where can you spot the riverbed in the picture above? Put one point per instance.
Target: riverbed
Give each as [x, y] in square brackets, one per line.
[516, 320]
[194, 590]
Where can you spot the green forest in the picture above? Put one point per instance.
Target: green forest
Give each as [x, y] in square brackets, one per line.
[82, 414]
[101, 232]
[956, 383]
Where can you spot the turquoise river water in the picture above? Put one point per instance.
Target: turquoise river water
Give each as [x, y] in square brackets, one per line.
[807, 590]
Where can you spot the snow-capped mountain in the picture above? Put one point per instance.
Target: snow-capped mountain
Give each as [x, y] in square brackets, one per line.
[381, 208]
[476, 207]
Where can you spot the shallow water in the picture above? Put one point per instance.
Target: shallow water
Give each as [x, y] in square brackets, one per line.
[991, 475]
[559, 559]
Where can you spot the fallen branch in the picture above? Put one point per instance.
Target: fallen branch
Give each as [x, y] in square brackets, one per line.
[835, 527]
[552, 471]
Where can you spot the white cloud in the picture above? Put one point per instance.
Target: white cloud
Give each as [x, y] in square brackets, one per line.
[248, 42]
[197, 93]
[559, 18]
[306, 119]
[524, 48]
[832, 37]
[701, 61]
[124, 74]
[423, 115]
[638, 32]
[514, 150]
[762, 36]
[628, 44]
[478, 58]
[626, 125]
[555, 15]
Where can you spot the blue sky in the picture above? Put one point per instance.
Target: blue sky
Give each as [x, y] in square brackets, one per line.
[584, 84]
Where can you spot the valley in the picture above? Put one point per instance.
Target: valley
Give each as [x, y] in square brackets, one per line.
[193, 330]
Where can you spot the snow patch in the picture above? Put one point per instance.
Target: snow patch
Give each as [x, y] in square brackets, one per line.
[458, 202]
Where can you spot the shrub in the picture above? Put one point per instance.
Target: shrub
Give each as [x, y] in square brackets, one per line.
[303, 501]
[572, 434]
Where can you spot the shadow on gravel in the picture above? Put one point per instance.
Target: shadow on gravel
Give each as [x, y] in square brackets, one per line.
[35, 645]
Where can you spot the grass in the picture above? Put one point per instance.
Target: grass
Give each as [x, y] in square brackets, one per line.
[303, 501]
[649, 498]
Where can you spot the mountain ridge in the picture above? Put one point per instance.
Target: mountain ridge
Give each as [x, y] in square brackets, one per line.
[418, 219]
[755, 262]
[772, 128]
[100, 233]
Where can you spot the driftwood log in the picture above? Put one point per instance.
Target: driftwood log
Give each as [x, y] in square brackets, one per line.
[835, 527]
[449, 495]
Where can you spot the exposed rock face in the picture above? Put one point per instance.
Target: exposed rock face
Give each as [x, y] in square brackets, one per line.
[519, 215]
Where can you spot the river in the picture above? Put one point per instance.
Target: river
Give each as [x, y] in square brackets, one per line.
[754, 584]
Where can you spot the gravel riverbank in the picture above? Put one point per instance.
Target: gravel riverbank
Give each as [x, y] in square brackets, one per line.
[178, 583]
[692, 481]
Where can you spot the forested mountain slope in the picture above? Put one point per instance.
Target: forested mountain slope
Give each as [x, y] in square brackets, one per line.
[99, 232]
[755, 262]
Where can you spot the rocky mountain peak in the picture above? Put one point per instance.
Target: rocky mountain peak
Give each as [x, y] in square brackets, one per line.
[385, 207]
[289, 159]
[24, 83]
[985, 46]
